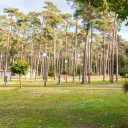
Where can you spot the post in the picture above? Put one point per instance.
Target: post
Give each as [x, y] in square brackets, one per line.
[6, 79]
[43, 77]
[59, 80]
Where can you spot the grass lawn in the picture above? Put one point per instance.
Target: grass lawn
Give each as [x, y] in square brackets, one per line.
[78, 108]
[96, 82]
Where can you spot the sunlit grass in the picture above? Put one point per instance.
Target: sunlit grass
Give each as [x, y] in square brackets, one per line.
[76, 108]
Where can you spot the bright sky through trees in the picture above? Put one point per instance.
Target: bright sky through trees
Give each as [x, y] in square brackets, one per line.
[36, 5]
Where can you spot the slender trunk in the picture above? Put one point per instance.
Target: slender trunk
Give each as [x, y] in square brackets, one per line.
[89, 61]
[1, 57]
[91, 55]
[31, 68]
[54, 54]
[100, 64]
[35, 66]
[49, 55]
[113, 45]
[62, 63]
[59, 63]
[85, 56]
[72, 58]
[104, 57]
[116, 50]
[66, 51]
[22, 46]
[20, 81]
[109, 51]
[41, 72]
[97, 66]
[7, 51]
[45, 51]
[75, 51]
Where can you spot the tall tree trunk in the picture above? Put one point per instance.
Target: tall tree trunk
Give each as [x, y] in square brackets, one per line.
[31, 68]
[54, 54]
[49, 55]
[113, 45]
[104, 57]
[100, 64]
[45, 64]
[62, 63]
[72, 59]
[89, 68]
[35, 65]
[109, 42]
[20, 81]
[75, 51]
[1, 57]
[7, 51]
[22, 46]
[116, 50]
[59, 63]
[97, 66]
[66, 51]
[85, 56]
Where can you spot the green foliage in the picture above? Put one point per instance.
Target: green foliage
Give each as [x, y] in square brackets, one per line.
[122, 64]
[76, 74]
[122, 71]
[20, 67]
[51, 73]
[92, 73]
[126, 86]
[65, 72]
[119, 7]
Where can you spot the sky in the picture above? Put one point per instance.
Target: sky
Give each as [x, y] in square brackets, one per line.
[36, 5]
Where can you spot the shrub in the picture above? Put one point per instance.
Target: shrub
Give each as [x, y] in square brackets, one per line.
[76, 74]
[51, 73]
[92, 73]
[65, 72]
[122, 71]
[20, 68]
[126, 86]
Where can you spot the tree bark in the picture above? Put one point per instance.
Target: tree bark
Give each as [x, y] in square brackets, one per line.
[74, 66]
[113, 45]
[20, 81]
[54, 54]
[104, 57]
[7, 51]
[66, 51]
[31, 68]
[85, 56]
[116, 50]
[1, 57]
[22, 46]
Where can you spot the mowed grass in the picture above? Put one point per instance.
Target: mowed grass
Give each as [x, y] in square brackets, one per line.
[62, 108]
[96, 82]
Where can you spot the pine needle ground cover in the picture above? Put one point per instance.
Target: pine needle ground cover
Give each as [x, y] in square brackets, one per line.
[62, 107]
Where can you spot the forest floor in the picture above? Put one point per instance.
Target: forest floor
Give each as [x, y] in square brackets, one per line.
[55, 107]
